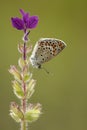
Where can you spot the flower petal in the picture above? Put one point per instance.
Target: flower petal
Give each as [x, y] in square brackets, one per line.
[17, 23]
[22, 12]
[33, 21]
[25, 16]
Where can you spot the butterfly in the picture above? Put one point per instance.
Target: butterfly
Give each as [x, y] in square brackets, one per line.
[46, 49]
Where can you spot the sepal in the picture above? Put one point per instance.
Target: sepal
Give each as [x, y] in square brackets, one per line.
[23, 63]
[18, 89]
[33, 112]
[14, 71]
[15, 112]
[21, 48]
[30, 88]
[27, 77]
[29, 49]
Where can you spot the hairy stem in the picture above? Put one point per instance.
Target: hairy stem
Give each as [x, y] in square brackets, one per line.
[24, 100]
[23, 122]
[24, 54]
[23, 125]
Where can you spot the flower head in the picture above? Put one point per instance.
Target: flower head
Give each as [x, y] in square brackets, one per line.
[26, 22]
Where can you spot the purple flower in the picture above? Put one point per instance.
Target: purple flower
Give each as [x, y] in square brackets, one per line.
[27, 21]
[17, 23]
[32, 23]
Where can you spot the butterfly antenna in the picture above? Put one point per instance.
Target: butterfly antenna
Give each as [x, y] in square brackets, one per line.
[45, 70]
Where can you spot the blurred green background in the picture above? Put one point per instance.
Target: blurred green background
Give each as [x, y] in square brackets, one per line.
[63, 95]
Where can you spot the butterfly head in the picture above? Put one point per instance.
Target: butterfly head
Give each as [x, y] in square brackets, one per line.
[34, 63]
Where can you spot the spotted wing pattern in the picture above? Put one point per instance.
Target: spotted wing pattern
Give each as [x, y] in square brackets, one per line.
[45, 49]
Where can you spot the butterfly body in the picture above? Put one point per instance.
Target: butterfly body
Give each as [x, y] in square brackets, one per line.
[45, 49]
